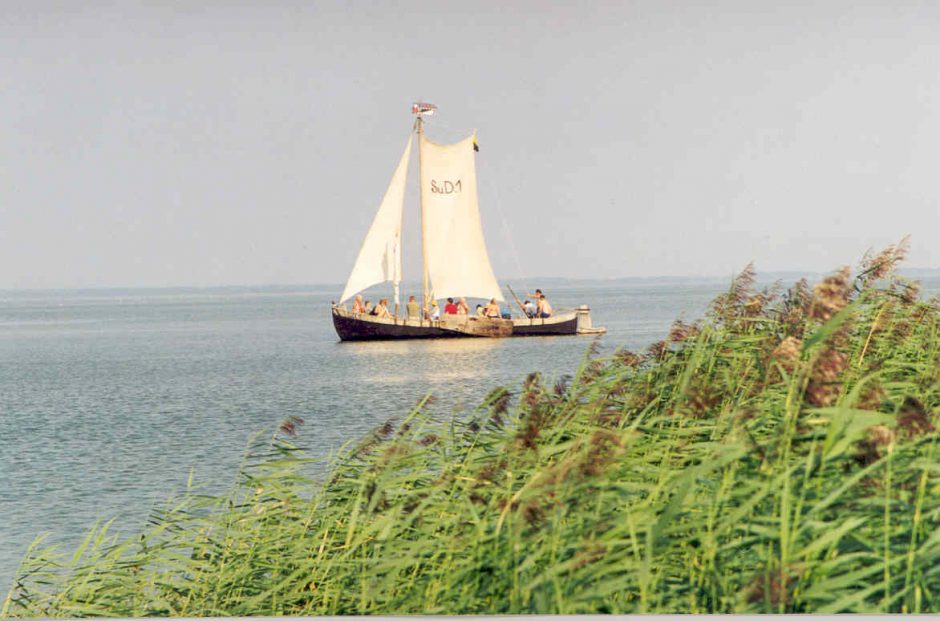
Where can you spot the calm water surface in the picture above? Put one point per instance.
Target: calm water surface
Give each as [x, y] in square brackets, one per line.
[108, 399]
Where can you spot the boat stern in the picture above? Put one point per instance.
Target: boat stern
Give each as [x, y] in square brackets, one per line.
[584, 321]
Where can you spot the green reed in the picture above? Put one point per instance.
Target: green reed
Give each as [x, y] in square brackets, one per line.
[778, 456]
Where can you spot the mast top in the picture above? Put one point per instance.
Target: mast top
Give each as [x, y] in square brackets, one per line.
[422, 109]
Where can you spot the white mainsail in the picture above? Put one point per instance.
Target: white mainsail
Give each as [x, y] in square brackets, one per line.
[457, 261]
[379, 258]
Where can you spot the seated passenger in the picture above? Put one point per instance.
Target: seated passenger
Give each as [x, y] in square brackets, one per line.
[367, 308]
[414, 311]
[492, 309]
[480, 312]
[450, 308]
[544, 308]
[435, 311]
[358, 307]
[381, 309]
[462, 307]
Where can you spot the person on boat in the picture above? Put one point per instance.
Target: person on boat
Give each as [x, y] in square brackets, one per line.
[414, 311]
[435, 311]
[492, 309]
[381, 309]
[529, 308]
[450, 308]
[462, 307]
[358, 307]
[544, 309]
[480, 311]
[367, 308]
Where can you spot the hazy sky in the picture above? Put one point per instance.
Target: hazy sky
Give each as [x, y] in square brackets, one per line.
[200, 143]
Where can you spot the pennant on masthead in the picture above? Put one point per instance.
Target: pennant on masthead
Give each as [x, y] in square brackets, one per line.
[421, 108]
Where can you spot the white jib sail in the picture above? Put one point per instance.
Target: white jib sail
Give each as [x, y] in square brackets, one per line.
[456, 252]
[379, 258]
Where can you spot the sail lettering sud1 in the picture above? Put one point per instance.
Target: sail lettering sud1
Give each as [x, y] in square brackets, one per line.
[455, 262]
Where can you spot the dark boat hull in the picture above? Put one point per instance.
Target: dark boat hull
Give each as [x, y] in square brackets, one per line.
[545, 327]
[352, 327]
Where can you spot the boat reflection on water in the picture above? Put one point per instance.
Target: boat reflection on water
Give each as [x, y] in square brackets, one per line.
[432, 361]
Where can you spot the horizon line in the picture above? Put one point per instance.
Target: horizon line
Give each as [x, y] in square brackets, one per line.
[339, 285]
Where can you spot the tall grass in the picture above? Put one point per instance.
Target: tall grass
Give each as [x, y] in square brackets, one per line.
[778, 456]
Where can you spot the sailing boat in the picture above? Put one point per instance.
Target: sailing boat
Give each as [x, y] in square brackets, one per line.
[454, 257]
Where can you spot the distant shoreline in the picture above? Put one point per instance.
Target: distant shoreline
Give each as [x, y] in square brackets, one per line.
[763, 277]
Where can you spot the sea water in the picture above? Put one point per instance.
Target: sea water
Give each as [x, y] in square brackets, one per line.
[109, 399]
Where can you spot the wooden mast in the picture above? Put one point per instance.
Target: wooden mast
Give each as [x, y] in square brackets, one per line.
[419, 129]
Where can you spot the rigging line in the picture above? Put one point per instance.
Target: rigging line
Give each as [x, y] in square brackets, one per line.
[491, 183]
